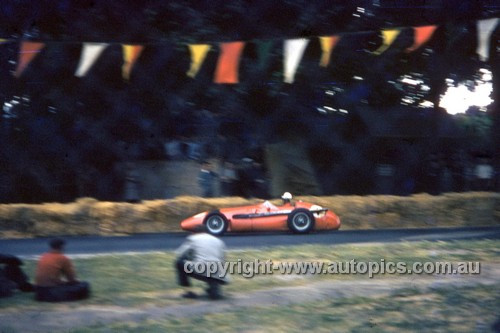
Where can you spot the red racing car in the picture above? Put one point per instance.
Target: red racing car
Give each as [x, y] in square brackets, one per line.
[300, 217]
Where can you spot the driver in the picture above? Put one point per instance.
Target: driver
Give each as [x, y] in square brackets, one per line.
[287, 198]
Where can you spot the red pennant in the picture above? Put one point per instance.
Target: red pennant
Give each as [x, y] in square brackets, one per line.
[28, 52]
[422, 35]
[228, 63]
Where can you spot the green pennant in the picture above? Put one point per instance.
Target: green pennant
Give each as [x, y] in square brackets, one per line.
[264, 54]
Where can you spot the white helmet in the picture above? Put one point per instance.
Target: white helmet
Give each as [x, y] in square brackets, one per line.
[286, 196]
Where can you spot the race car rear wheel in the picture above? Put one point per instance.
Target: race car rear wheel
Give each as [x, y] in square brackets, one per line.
[216, 223]
[301, 221]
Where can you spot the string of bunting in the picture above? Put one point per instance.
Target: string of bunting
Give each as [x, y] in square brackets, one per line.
[227, 68]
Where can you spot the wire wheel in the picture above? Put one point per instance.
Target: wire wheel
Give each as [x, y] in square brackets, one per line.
[216, 224]
[301, 221]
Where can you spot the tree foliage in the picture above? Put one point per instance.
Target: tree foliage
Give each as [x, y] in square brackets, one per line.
[64, 135]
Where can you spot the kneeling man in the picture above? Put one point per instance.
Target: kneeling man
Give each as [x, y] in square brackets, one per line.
[201, 250]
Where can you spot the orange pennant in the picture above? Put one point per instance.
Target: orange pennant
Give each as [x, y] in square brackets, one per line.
[28, 52]
[228, 63]
[422, 35]
[130, 55]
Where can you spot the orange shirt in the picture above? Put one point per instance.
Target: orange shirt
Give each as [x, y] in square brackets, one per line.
[51, 267]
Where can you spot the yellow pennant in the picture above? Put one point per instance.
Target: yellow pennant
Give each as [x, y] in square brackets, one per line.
[130, 55]
[198, 54]
[389, 37]
[327, 45]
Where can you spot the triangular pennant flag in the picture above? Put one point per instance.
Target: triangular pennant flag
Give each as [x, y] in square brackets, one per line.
[327, 45]
[90, 53]
[422, 35]
[294, 50]
[263, 53]
[198, 54]
[228, 63]
[27, 53]
[130, 55]
[389, 37]
[484, 30]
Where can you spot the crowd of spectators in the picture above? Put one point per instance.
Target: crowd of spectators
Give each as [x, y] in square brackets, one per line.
[437, 173]
[459, 172]
[225, 168]
[245, 178]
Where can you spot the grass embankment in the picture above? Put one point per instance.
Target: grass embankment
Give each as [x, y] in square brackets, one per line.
[150, 279]
[91, 217]
[122, 283]
[444, 310]
[137, 280]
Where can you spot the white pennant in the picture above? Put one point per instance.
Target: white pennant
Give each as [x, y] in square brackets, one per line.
[294, 50]
[90, 53]
[484, 30]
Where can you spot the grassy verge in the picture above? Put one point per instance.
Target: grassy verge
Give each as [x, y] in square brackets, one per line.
[149, 279]
[446, 310]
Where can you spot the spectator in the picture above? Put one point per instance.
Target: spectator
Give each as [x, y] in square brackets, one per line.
[131, 184]
[258, 180]
[201, 248]
[206, 179]
[245, 180]
[433, 174]
[228, 179]
[51, 268]
[483, 173]
[11, 276]
[458, 166]
[194, 150]
[173, 149]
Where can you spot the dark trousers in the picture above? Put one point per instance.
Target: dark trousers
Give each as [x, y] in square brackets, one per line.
[183, 278]
[6, 287]
[15, 274]
[63, 293]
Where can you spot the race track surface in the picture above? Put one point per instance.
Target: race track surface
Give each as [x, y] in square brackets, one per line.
[169, 241]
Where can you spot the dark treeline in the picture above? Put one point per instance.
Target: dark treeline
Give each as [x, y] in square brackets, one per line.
[62, 136]
[218, 20]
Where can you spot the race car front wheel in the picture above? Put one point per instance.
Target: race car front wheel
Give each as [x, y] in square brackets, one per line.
[216, 224]
[301, 221]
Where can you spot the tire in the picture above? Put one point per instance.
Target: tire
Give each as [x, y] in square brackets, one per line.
[216, 224]
[301, 221]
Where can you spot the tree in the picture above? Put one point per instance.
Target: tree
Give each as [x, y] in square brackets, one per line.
[63, 135]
